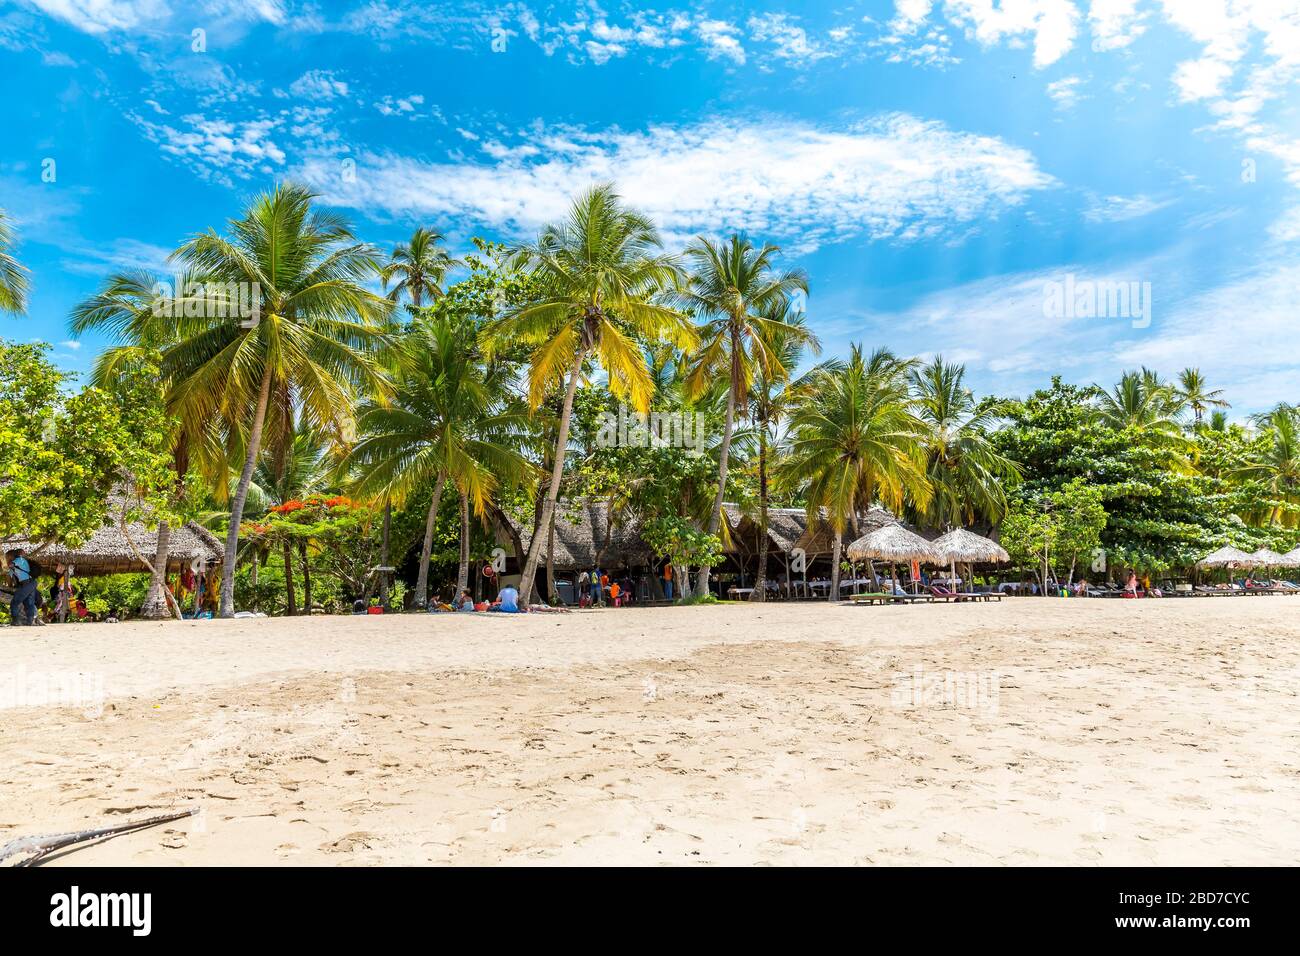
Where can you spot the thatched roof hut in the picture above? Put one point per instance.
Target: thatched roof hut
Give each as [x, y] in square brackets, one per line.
[1292, 558]
[785, 526]
[108, 552]
[820, 539]
[893, 543]
[583, 535]
[1227, 557]
[969, 548]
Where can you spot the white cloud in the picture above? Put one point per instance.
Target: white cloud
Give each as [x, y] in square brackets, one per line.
[789, 41]
[721, 40]
[897, 177]
[400, 105]
[70, 344]
[1115, 24]
[1065, 92]
[318, 85]
[1052, 24]
[1123, 208]
[101, 16]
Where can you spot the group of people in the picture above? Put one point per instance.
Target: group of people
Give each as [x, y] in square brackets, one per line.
[597, 589]
[28, 605]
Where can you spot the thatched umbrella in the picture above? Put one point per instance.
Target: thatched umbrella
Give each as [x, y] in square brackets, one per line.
[1292, 558]
[893, 543]
[1227, 557]
[1270, 559]
[968, 547]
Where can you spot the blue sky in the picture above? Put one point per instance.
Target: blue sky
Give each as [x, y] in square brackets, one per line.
[935, 167]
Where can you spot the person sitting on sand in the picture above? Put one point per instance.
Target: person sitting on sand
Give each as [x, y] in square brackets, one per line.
[508, 601]
[464, 601]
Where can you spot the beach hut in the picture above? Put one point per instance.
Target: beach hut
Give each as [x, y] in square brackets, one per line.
[893, 543]
[969, 548]
[1292, 558]
[1265, 558]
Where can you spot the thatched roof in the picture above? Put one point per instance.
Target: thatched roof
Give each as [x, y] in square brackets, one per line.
[107, 550]
[785, 526]
[962, 545]
[1292, 558]
[820, 539]
[1227, 557]
[581, 528]
[893, 543]
[1270, 559]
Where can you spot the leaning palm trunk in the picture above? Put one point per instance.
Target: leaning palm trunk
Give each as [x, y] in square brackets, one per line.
[462, 575]
[241, 496]
[836, 550]
[702, 581]
[553, 492]
[760, 582]
[155, 605]
[422, 577]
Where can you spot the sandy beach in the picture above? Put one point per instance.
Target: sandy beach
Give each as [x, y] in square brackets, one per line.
[1028, 732]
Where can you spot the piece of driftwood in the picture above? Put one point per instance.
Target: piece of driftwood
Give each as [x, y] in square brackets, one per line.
[42, 846]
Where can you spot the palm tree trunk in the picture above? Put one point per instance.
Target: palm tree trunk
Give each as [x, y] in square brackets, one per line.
[702, 578]
[462, 575]
[422, 577]
[835, 566]
[306, 577]
[241, 496]
[760, 582]
[551, 592]
[384, 556]
[155, 604]
[553, 492]
[291, 601]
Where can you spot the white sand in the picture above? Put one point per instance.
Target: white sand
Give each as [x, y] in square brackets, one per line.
[1067, 732]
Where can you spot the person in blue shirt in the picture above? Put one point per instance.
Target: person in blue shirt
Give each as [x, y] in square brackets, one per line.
[24, 599]
[509, 600]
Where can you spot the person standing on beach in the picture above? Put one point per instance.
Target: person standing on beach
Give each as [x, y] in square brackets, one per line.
[24, 599]
[668, 580]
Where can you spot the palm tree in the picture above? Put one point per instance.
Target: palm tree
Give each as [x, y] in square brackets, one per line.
[771, 398]
[854, 441]
[422, 264]
[135, 309]
[13, 276]
[1193, 392]
[1148, 407]
[967, 474]
[603, 269]
[734, 287]
[450, 420]
[291, 472]
[1277, 465]
[312, 344]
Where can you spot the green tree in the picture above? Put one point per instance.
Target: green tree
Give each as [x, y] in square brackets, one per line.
[967, 473]
[420, 266]
[450, 420]
[286, 474]
[1194, 393]
[735, 288]
[1055, 531]
[602, 270]
[856, 441]
[312, 346]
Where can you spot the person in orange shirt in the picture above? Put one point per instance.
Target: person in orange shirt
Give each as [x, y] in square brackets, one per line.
[668, 580]
[614, 592]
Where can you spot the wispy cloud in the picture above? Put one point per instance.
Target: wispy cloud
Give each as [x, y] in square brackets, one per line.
[895, 177]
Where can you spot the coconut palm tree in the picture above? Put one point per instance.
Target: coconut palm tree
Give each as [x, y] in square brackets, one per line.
[1195, 394]
[771, 397]
[736, 289]
[1149, 407]
[13, 276]
[135, 308]
[604, 269]
[291, 472]
[420, 266]
[1277, 464]
[855, 441]
[967, 474]
[311, 345]
[451, 419]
